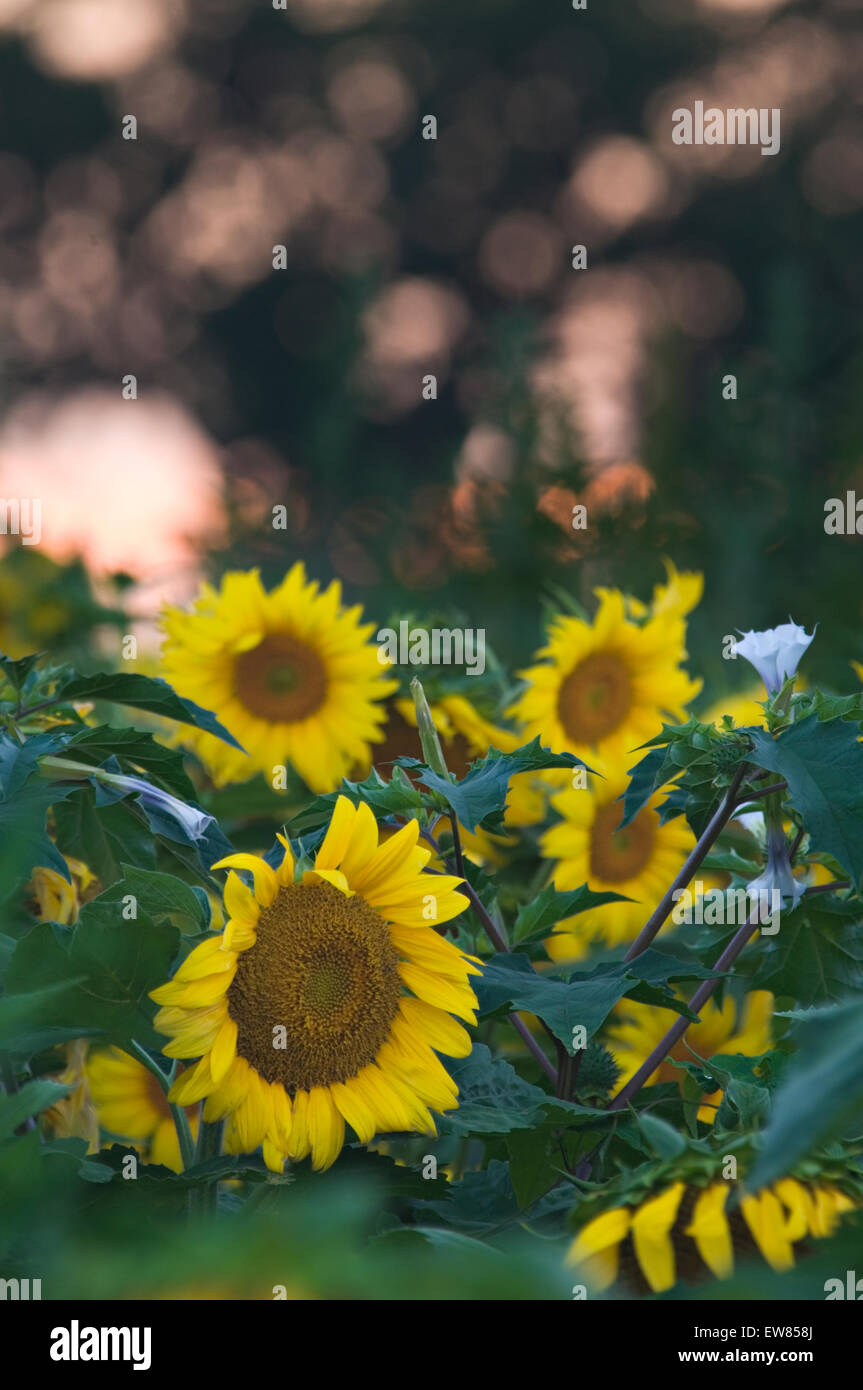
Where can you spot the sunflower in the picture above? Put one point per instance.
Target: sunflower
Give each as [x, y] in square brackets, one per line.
[604, 686]
[131, 1104]
[685, 1232]
[466, 735]
[291, 674]
[639, 862]
[676, 598]
[745, 708]
[299, 1011]
[727, 1031]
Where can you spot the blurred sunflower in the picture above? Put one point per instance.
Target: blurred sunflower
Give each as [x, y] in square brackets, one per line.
[685, 1232]
[466, 735]
[297, 1010]
[744, 709]
[131, 1104]
[637, 1028]
[603, 687]
[290, 673]
[639, 861]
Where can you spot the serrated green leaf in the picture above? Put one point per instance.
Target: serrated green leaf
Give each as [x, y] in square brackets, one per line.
[822, 762]
[823, 1093]
[108, 966]
[135, 751]
[817, 955]
[479, 798]
[30, 1100]
[493, 1098]
[149, 693]
[535, 919]
[584, 1000]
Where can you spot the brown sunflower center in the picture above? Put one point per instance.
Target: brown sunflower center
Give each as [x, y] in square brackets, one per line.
[316, 995]
[281, 680]
[595, 698]
[619, 855]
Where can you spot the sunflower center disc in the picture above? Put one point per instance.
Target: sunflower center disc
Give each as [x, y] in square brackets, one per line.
[595, 698]
[281, 680]
[619, 855]
[316, 995]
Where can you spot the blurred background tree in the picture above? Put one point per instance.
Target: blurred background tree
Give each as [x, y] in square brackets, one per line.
[405, 257]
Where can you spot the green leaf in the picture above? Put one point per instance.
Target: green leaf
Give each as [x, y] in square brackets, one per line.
[823, 766]
[20, 761]
[24, 840]
[19, 1036]
[480, 797]
[493, 1098]
[479, 1202]
[397, 797]
[108, 966]
[663, 1138]
[583, 1001]
[644, 779]
[103, 837]
[16, 672]
[30, 1100]
[817, 956]
[535, 919]
[823, 1094]
[136, 752]
[534, 1163]
[160, 895]
[149, 693]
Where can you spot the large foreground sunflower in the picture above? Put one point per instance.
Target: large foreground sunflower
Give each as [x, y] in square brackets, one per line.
[638, 862]
[603, 688]
[687, 1232]
[727, 1031]
[299, 1011]
[291, 674]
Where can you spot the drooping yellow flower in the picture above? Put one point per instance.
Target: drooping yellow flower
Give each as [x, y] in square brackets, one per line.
[685, 1231]
[603, 688]
[637, 1028]
[131, 1104]
[639, 862]
[300, 1012]
[291, 674]
[74, 1116]
[58, 900]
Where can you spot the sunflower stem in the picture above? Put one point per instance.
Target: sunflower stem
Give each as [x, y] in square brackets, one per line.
[181, 1122]
[721, 816]
[699, 999]
[500, 943]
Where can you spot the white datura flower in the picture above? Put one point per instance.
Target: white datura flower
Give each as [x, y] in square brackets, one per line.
[775, 653]
[778, 877]
[189, 818]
